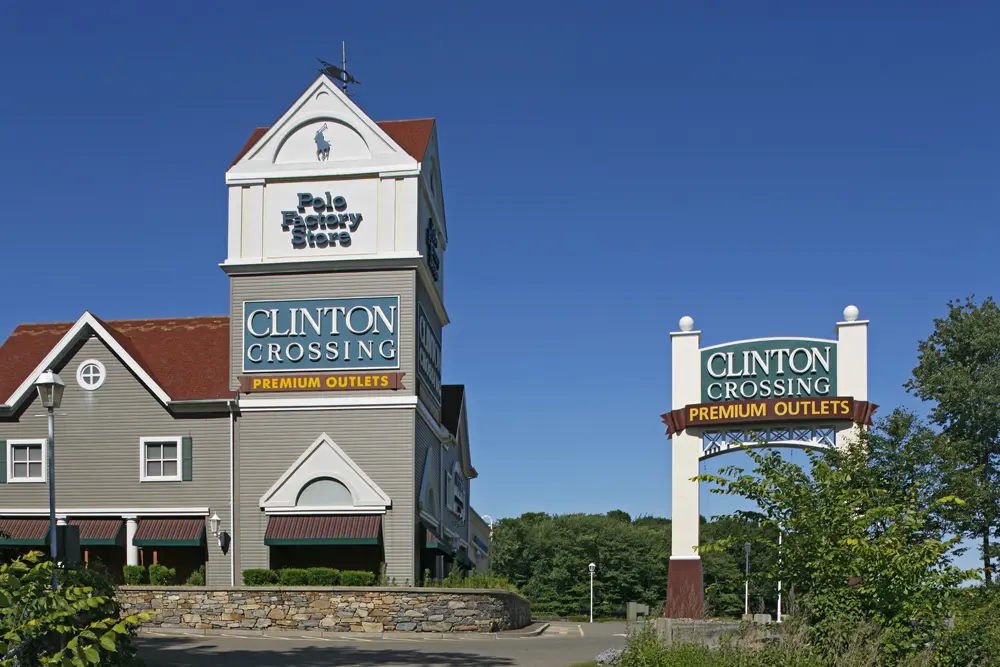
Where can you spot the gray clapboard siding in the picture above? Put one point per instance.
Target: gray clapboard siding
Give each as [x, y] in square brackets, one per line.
[380, 441]
[354, 284]
[97, 450]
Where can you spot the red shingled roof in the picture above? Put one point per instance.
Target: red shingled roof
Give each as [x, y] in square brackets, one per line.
[187, 356]
[413, 136]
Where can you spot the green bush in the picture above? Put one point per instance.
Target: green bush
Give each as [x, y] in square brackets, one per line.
[323, 576]
[260, 578]
[197, 577]
[293, 577]
[161, 575]
[134, 575]
[356, 578]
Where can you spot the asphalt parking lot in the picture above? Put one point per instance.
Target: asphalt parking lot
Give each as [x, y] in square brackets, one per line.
[561, 644]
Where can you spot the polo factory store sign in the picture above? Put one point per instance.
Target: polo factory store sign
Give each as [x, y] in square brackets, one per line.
[321, 335]
[320, 221]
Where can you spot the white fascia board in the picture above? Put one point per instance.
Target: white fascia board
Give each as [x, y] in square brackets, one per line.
[111, 511]
[324, 402]
[62, 347]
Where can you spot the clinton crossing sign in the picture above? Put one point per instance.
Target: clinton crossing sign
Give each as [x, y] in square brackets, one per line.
[788, 392]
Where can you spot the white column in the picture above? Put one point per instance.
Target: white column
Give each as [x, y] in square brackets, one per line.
[131, 551]
[685, 390]
[852, 364]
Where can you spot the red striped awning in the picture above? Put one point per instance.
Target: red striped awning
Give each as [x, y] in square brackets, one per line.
[98, 532]
[186, 532]
[323, 529]
[24, 532]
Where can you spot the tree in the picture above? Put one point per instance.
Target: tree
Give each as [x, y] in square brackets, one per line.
[74, 625]
[959, 371]
[859, 544]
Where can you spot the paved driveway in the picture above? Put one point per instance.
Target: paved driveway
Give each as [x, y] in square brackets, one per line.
[560, 645]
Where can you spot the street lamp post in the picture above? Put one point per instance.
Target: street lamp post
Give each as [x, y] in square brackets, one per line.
[746, 593]
[50, 390]
[592, 567]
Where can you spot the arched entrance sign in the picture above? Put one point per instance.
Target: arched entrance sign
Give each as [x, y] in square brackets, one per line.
[785, 392]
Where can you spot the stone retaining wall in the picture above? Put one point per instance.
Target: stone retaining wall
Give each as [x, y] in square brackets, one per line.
[336, 609]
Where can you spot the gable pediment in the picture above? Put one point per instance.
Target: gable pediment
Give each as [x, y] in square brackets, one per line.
[322, 133]
[324, 460]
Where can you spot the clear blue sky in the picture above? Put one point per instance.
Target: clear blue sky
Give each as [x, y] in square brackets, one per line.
[608, 168]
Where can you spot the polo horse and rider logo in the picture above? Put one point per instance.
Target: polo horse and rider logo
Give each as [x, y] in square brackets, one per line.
[322, 145]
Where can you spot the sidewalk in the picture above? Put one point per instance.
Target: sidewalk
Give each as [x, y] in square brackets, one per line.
[533, 630]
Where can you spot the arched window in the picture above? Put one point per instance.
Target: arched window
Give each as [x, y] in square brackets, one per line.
[324, 492]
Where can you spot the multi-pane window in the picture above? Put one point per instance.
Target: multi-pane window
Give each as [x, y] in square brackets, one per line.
[161, 460]
[27, 461]
[90, 374]
[458, 491]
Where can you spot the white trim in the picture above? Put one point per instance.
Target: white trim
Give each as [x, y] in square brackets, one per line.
[430, 519]
[440, 431]
[232, 491]
[323, 402]
[680, 334]
[79, 375]
[764, 340]
[450, 533]
[685, 558]
[362, 487]
[10, 461]
[279, 511]
[270, 172]
[243, 337]
[855, 323]
[60, 348]
[125, 513]
[178, 441]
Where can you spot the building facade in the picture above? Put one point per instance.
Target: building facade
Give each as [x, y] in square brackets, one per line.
[312, 421]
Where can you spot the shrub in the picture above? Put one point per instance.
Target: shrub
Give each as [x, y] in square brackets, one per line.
[161, 575]
[134, 575]
[356, 578]
[293, 577]
[322, 576]
[260, 578]
[197, 577]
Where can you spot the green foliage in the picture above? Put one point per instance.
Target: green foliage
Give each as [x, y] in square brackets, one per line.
[134, 575]
[546, 557]
[161, 575]
[322, 576]
[293, 577]
[77, 624]
[975, 639]
[863, 544]
[356, 578]
[260, 578]
[197, 578]
[460, 579]
[959, 373]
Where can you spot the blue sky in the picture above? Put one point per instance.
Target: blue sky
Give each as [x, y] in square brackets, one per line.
[757, 166]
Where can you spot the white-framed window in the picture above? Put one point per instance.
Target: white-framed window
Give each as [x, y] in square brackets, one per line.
[90, 374]
[25, 461]
[456, 490]
[160, 459]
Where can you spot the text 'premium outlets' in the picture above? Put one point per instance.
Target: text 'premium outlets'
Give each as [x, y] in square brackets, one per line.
[321, 335]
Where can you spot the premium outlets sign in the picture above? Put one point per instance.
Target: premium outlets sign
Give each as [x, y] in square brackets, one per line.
[769, 368]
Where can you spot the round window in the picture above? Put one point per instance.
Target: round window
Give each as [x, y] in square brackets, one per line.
[90, 374]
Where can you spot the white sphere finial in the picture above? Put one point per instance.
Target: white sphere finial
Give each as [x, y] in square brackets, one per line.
[687, 323]
[851, 314]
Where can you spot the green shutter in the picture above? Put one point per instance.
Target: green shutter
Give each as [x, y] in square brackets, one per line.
[3, 461]
[186, 458]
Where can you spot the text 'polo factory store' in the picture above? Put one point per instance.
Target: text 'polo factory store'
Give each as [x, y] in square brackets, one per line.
[311, 422]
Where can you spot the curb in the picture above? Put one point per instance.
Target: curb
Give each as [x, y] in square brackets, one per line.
[326, 634]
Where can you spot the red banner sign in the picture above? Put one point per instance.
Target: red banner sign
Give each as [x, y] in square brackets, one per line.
[832, 408]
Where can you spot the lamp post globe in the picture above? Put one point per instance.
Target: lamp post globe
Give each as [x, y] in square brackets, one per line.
[50, 392]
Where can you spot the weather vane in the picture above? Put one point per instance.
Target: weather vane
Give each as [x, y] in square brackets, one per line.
[339, 73]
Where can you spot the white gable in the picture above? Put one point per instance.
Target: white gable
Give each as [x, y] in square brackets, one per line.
[324, 459]
[322, 134]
